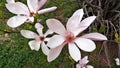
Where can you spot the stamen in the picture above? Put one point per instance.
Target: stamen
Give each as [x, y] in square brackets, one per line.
[31, 14]
[42, 38]
[70, 37]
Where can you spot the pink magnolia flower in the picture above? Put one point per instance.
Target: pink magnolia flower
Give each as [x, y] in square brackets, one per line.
[25, 13]
[83, 63]
[38, 39]
[117, 60]
[69, 35]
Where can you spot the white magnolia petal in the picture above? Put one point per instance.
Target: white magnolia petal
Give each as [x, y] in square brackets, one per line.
[74, 21]
[73, 25]
[34, 45]
[48, 32]
[54, 53]
[45, 49]
[46, 10]
[78, 66]
[10, 1]
[47, 39]
[85, 44]
[56, 26]
[41, 3]
[117, 60]
[95, 36]
[33, 5]
[84, 60]
[28, 34]
[55, 41]
[17, 8]
[74, 52]
[79, 12]
[16, 21]
[86, 23]
[89, 66]
[39, 28]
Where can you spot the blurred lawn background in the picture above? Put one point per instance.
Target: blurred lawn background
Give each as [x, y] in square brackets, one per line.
[15, 51]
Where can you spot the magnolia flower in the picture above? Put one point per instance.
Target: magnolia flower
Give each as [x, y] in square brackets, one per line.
[83, 63]
[117, 60]
[25, 13]
[38, 39]
[69, 35]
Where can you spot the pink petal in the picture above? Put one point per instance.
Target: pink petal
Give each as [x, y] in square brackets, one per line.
[78, 66]
[89, 66]
[73, 25]
[85, 44]
[33, 5]
[41, 4]
[54, 53]
[39, 28]
[16, 21]
[78, 12]
[45, 49]
[56, 26]
[55, 41]
[75, 19]
[28, 34]
[13, 8]
[10, 1]
[74, 52]
[95, 36]
[46, 10]
[34, 45]
[84, 60]
[86, 23]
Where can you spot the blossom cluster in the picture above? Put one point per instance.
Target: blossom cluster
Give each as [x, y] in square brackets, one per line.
[69, 35]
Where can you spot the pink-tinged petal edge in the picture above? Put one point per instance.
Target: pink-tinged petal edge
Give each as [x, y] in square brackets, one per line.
[56, 26]
[16, 21]
[95, 36]
[22, 8]
[74, 20]
[34, 45]
[46, 10]
[33, 5]
[85, 44]
[41, 4]
[10, 1]
[44, 48]
[54, 53]
[84, 60]
[28, 34]
[39, 28]
[84, 24]
[74, 52]
[55, 41]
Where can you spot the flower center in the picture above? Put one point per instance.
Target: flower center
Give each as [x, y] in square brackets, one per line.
[31, 14]
[70, 37]
[42, 38]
